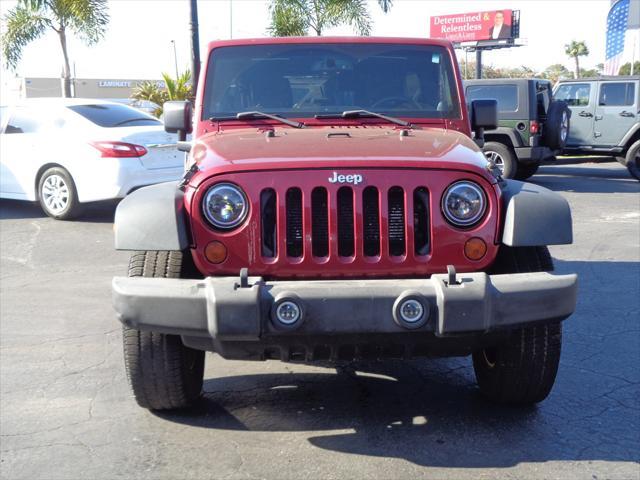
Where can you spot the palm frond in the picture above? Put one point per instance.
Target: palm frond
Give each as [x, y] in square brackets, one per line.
[24, 24]
[87, 18]
[385, 5]
[288, 18]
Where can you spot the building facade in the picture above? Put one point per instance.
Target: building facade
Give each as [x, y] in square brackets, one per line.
[104, 88]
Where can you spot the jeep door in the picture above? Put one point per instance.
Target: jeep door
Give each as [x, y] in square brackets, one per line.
[616, 113]
[581, 99]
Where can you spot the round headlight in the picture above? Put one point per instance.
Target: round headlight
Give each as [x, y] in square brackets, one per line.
[463, 204]
[225, 206]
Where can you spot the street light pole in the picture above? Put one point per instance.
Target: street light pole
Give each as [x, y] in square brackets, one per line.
[195, 45]
[175, 57]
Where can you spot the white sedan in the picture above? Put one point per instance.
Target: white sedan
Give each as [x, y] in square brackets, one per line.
[65, 152]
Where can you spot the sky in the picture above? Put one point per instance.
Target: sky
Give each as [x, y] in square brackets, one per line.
[138, 40]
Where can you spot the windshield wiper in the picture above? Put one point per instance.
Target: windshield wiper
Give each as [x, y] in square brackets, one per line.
[254, 114]
[364, 113]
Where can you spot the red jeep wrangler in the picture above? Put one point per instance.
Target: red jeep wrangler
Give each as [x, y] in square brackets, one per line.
[336, 208]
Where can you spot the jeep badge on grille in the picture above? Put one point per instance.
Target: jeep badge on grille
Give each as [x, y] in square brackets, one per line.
[355, 178]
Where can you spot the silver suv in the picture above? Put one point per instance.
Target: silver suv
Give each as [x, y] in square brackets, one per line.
[605, 117]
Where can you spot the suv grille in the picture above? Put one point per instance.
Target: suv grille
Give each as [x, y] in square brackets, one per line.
[369, 222]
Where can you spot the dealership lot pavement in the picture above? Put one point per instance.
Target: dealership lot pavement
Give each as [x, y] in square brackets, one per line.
[65, 410]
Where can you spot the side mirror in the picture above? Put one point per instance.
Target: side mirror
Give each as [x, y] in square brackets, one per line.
[484, 115]
[177, 116]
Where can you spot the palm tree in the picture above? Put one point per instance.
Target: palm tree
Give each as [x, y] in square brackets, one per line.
[174, 89]
[30, 19]
[575, 50]
[298, 17]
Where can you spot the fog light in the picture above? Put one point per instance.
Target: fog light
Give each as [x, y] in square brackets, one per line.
[215, 252]
[475, 248]
[288, 312]
[411, 311]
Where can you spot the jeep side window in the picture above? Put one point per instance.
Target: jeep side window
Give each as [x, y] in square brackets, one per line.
[575, 94]
[617, 94]
[506, 95]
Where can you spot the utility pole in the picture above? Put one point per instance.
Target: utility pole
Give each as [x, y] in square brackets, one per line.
[195, 45]
[175, 57]
[478, 63]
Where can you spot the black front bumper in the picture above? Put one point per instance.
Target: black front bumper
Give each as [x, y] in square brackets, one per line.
[220, 314]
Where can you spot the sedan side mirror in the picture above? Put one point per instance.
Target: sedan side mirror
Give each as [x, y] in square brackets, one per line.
[484, 115]
[177, 116]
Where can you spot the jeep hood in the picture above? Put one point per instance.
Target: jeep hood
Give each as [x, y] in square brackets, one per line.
[338, 147]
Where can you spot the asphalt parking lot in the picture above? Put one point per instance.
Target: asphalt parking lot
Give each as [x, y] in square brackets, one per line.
[66, 412]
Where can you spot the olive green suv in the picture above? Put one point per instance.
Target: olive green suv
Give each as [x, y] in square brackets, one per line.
[532, 127]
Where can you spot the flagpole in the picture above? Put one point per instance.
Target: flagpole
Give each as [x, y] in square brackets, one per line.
[633, 55]
[633, 50]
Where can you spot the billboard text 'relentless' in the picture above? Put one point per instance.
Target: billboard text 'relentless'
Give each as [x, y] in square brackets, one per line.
[469, 27]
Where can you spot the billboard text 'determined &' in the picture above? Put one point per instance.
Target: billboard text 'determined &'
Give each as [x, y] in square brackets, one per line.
[476, 26]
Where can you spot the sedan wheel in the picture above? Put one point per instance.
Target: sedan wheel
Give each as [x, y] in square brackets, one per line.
[57, 194]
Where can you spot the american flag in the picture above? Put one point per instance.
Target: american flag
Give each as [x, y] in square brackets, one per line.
[617, 21]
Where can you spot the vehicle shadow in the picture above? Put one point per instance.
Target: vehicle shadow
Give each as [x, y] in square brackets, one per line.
[15, 209]
[610, 177]
[95, 212]
[430, 412]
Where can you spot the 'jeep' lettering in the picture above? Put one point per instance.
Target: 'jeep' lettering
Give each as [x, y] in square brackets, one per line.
[354, 178]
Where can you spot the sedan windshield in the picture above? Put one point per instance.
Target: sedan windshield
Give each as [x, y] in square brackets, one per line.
[302, 80]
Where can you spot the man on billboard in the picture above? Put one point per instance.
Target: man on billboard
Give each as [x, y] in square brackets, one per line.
[499, 28]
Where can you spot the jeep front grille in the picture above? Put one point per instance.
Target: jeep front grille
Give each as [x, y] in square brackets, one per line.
[319, 222]
[370, 222]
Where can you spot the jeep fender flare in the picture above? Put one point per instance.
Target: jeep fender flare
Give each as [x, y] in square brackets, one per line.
[498, 134]
[534, 216]
[630, 137]
[152, 218]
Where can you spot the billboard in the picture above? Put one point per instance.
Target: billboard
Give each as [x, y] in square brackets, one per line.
[470, 27]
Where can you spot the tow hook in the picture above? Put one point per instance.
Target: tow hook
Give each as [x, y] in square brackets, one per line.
[452, 280]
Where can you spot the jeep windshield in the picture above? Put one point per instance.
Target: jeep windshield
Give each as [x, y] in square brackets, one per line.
[325, 80]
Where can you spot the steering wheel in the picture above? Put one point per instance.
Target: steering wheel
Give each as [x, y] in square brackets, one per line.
[396, 101]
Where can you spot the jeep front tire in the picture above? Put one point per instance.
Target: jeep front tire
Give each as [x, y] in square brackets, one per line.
[162, 372]
[522, 369]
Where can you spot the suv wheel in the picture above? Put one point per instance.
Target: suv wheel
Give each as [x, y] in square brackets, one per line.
[526, 170]
[57, 194]
[162, 372]
[521, 370]
[556, 128]
[632, 160]
[504, 158]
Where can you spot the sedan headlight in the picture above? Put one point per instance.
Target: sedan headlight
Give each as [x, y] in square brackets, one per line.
[225, 206]
[464, 203]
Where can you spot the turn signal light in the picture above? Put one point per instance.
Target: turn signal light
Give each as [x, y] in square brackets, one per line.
[119, 149]
[215, 252]
[475, 248]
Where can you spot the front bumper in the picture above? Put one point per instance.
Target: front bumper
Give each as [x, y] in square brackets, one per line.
[219, 310]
